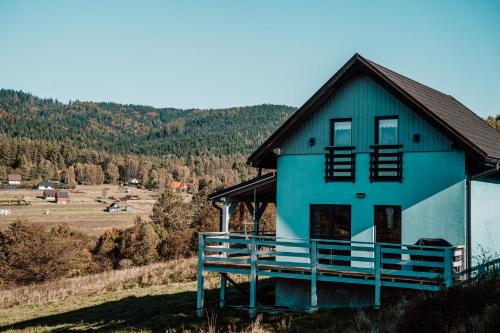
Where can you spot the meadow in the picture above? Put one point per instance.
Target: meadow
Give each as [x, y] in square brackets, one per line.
[86, 210]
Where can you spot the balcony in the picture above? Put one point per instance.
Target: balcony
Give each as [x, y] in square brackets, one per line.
[386, 163]
[340, 164]
[366, 263]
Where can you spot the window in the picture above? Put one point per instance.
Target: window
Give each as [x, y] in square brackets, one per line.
[341, 132]
[332, 222]
[340, 157]
[386, 130]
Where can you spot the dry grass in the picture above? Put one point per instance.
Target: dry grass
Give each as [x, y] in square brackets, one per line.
[176, 271]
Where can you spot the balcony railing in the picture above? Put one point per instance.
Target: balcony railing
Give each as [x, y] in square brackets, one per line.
[368, 263]
[340, 164]
[386, 163]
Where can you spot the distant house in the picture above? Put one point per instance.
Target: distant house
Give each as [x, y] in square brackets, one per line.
[49, 194]
[14, 179]
[62, 198]
[46, 185]
[133, 182]
[178, 186]
[112, 208]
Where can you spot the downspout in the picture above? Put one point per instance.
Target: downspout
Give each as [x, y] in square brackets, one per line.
[468, 187]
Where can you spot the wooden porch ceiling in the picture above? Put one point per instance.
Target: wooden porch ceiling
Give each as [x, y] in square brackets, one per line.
[265, 187]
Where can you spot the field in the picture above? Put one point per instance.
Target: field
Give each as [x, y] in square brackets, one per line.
[84, 212]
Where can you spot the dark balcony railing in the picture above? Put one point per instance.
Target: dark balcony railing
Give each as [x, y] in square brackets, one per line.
[340, 164]
[386, 163]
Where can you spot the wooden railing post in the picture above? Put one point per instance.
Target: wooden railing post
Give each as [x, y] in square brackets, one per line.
[200, 306]
[314, 268]
[253, 279]
[377, 268]
[448, 267]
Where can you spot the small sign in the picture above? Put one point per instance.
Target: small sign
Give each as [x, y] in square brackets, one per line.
[360, 195]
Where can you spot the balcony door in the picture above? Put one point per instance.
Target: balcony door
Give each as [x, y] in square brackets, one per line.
[388, 230]
[332, 222]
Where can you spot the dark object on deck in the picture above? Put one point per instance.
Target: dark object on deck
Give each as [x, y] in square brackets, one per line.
[429, 242]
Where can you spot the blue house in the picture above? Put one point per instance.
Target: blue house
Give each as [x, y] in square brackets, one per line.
[380, 184]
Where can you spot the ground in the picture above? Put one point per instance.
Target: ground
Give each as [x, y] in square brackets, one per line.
[84, 212]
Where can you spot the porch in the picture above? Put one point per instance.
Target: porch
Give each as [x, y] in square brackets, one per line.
[374, 264]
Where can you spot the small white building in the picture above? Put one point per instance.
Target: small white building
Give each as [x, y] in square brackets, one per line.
[113, 208]
[14, 179]
[46, 185]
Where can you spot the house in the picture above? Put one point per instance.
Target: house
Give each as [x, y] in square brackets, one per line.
[112, 208]
[62, 197]
[46, 185]
[177, 186]
[133, 182]
[14, 179]
[381, 184]
[49, 195]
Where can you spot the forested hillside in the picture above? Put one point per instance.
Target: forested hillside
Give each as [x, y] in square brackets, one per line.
[138, 129]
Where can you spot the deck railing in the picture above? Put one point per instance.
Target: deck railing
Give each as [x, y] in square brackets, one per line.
[378, 264]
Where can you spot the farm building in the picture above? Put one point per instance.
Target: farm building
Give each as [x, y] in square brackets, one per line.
[112, 208]
[46, 185]
[381, 184]
[14, 179]
[62, 197]
[133, 182]
[50, 195]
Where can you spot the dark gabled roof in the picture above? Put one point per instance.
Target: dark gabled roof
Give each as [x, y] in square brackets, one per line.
[447, 114]
[265, 186]
[46, 183]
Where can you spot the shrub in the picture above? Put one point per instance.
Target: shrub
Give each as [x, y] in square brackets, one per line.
[139, 244]
[31, 254]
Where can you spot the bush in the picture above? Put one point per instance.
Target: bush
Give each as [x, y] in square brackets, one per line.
[31, 254]
[139, 244]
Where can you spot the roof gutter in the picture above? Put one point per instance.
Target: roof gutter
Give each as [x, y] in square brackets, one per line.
[494, 168]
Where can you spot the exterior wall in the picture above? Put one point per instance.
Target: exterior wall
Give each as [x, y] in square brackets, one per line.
[485, 217]
[432, 196]
[362, 99]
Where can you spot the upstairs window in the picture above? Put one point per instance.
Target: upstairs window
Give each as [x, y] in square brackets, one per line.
[340, 159]
[341, 132]
[386, 159]
[386, 130]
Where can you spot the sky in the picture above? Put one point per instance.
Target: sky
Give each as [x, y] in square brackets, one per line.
[211, 54]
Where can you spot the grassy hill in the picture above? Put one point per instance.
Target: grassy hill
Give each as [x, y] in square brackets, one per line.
[138, 129]
[162, 297]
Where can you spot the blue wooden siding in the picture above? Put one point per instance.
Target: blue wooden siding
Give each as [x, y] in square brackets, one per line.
[362, 99]
[485, 216]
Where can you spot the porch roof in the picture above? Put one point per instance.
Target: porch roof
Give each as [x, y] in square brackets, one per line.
[265, 187]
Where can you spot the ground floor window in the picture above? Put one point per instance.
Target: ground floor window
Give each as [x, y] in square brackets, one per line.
[332, 222]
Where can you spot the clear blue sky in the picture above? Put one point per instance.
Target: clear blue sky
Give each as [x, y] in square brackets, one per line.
[229, 53]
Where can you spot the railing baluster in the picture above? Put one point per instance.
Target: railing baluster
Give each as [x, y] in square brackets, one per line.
[448, 267]
[314, 267]
[377, 267]
[200, 307]
[253, 279]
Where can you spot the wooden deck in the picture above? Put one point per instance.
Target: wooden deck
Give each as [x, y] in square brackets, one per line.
[366, 263]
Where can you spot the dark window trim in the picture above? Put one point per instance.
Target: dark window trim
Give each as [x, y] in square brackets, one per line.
[377, 120]
[332, 127]
[311, 227]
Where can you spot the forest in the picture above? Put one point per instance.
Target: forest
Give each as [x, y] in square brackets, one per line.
[95, 143]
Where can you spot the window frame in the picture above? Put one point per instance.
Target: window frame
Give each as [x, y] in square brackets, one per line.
[332, 130]
[311, 216]
[377, 129]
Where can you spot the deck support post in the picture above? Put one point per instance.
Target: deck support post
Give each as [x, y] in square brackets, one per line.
[377, 269]
[200, 306]
[253, 279]
[314, 269]
[448, 267]
[222, 294]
